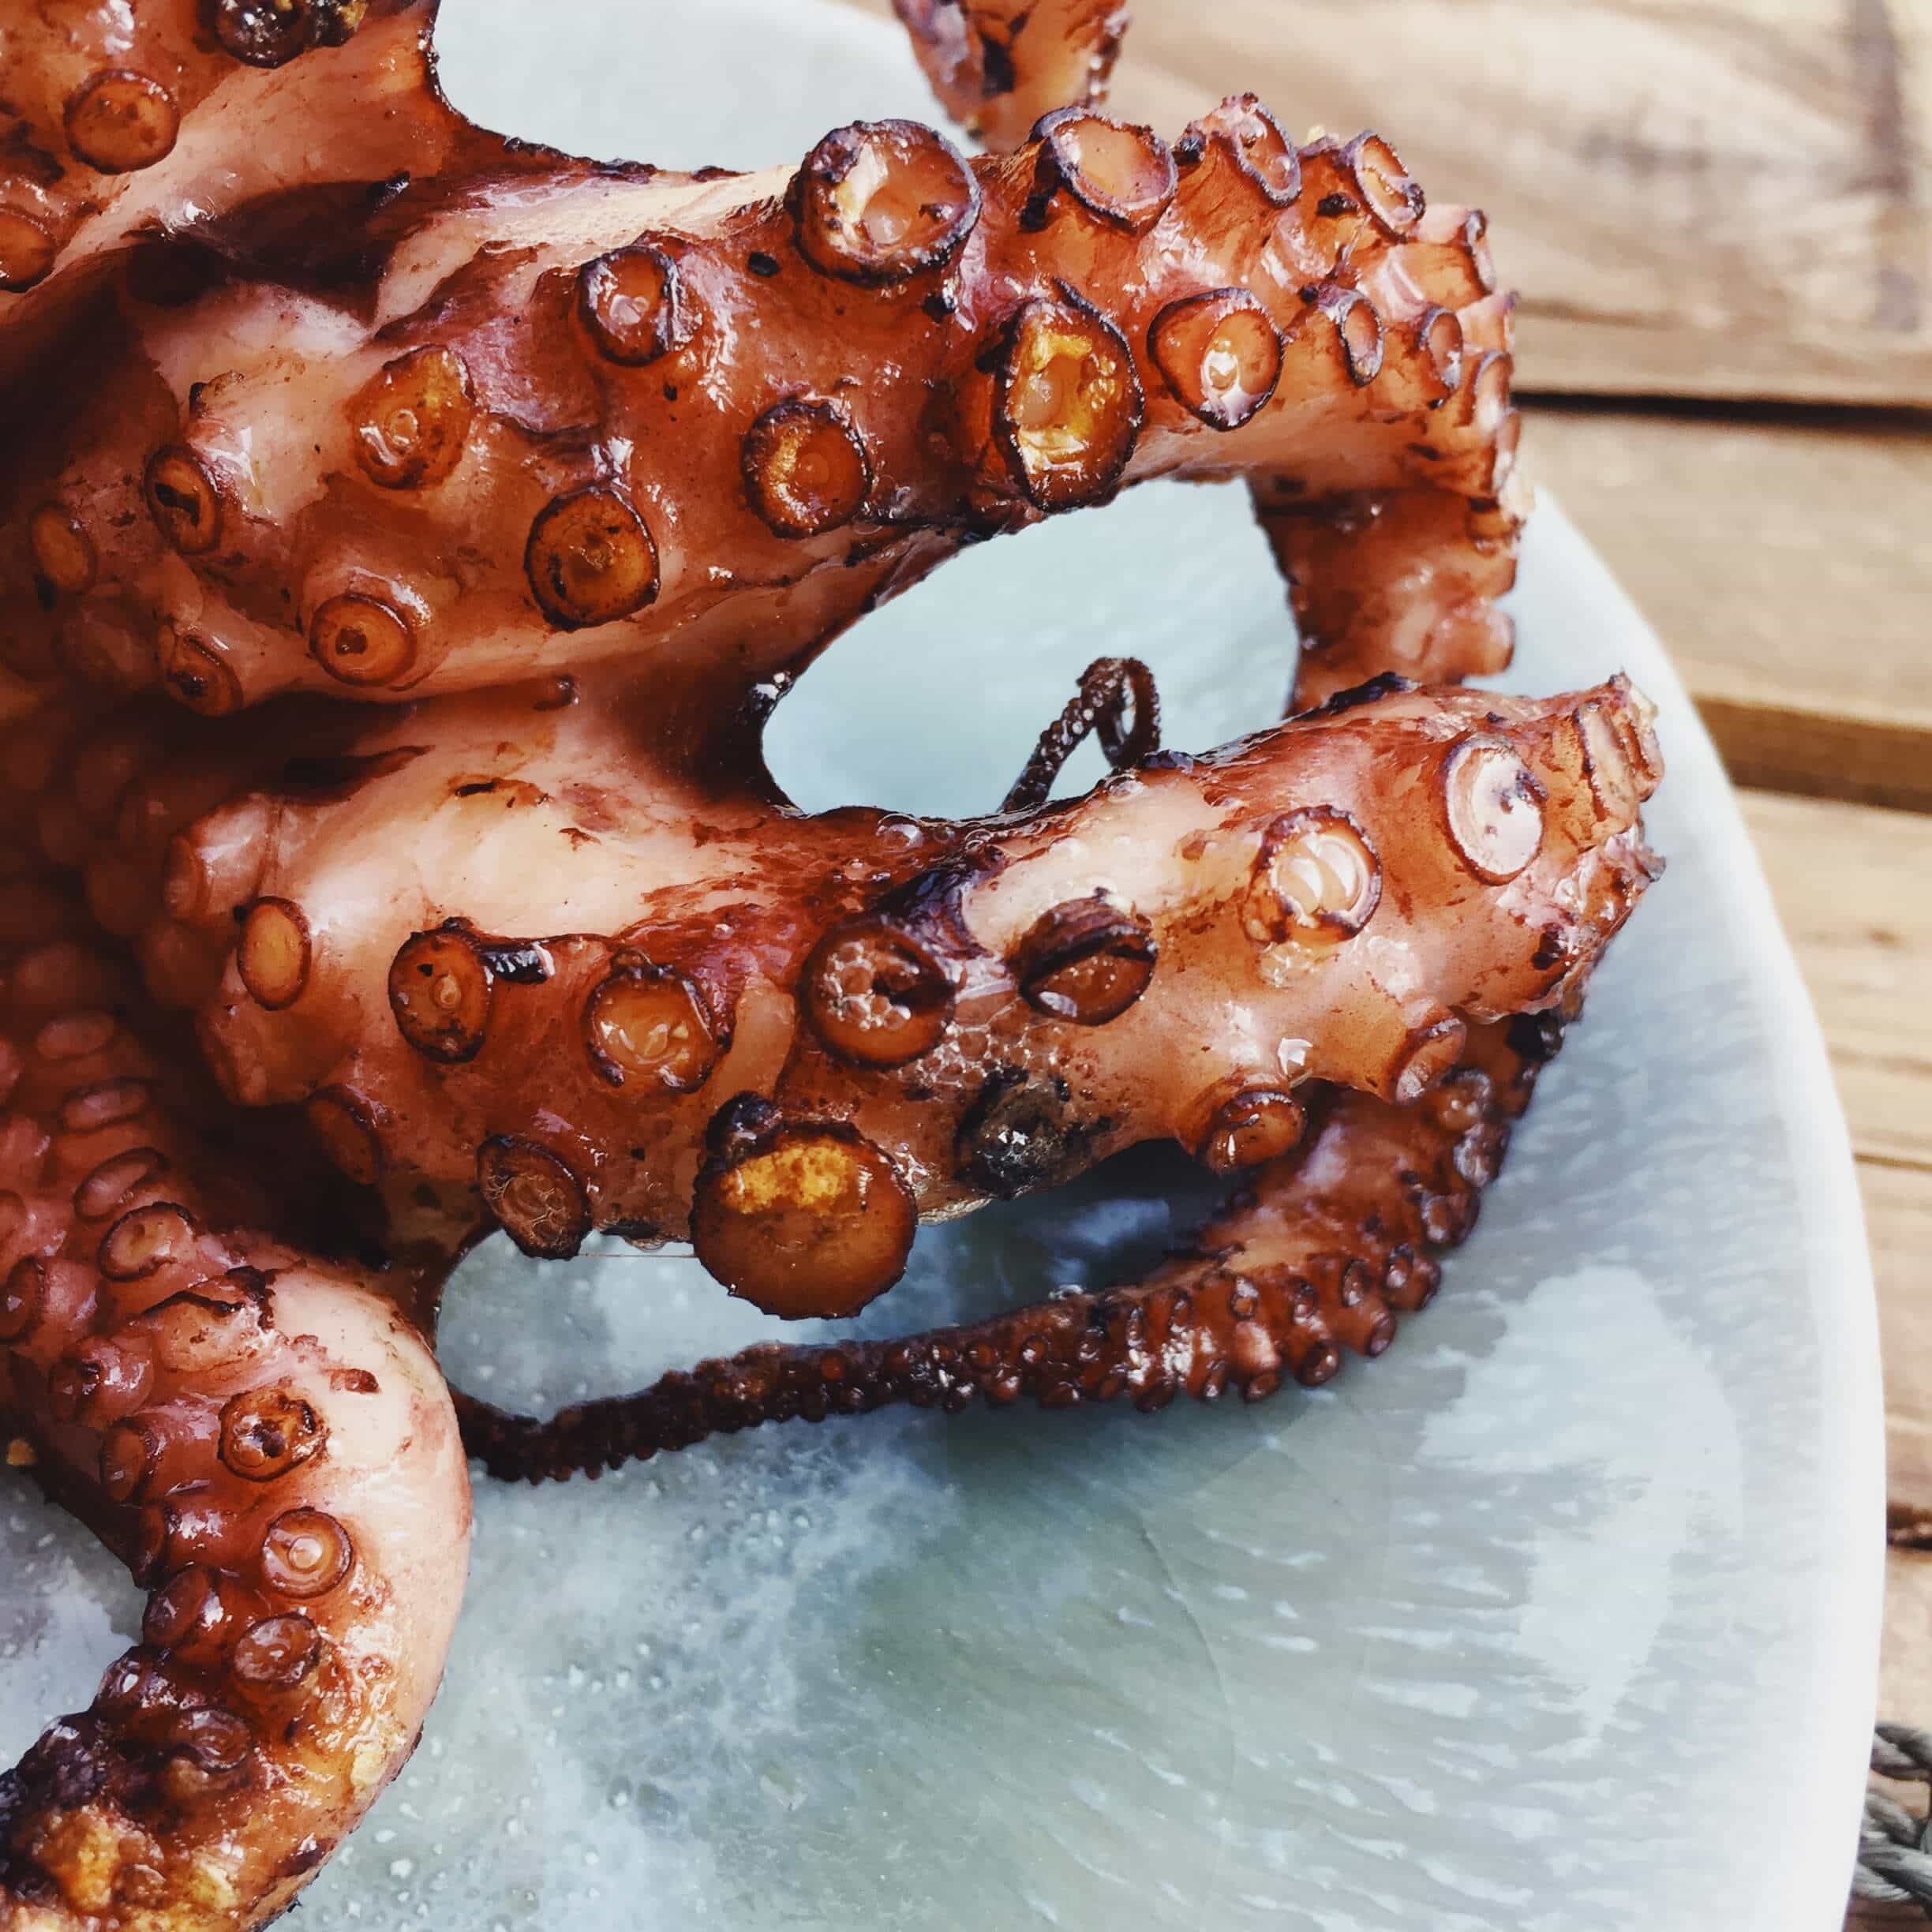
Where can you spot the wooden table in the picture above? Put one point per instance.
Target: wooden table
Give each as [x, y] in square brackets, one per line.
[1719, 215]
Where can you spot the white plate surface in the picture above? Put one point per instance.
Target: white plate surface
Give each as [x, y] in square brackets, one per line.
[1561, 1615]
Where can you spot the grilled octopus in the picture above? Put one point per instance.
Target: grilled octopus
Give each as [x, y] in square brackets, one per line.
[512, 490]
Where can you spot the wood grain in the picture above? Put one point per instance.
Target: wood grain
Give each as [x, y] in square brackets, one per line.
[1696, 198]
[1786, 565]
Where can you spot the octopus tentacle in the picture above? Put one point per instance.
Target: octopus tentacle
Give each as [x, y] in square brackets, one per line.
[1313, 1260]
[1406, 579]
[792, 1037]
[612, 416]
[1117, 698]
[998, 65]
[261, 1435]
[121, 125]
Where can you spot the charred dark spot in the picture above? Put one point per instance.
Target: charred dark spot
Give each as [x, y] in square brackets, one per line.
[1536, 1037]
[928, 903]
[323, 779]
[1000, 74]
[740, 1124]
[1330, 206]
[305, 1857]
[1020, 1135]
[760, 264]
[1386, 684]
[941, 305]
[67, 1768]
[1550, 948]
[636, 1230]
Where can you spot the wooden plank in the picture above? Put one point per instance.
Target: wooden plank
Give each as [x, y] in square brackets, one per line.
[1697, 197]
[1898, 1216]
[1850, 885]
[1784, 565]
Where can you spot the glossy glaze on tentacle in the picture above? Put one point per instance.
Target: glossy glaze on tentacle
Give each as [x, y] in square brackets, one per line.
[1311, 1261]
[992, 1004]
[998, 65]
[587, 415]
[259, 1433]
[122, 124]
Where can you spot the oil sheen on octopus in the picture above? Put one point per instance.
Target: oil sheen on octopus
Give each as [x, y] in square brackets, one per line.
[453, 414]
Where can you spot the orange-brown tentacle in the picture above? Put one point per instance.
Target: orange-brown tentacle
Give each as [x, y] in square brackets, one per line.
[260, 1433]
[613, 416]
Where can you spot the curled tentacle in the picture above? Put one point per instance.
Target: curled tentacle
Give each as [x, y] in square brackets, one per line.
[261, 1434]
[1118, 699]
[1312, 1260]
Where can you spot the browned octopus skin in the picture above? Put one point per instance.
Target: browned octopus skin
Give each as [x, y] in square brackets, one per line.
[504, 414]
[120, 125]
[998, 65]
[1311, 1259]
[1405, 580]
[791, 1037]
[261, 1435]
